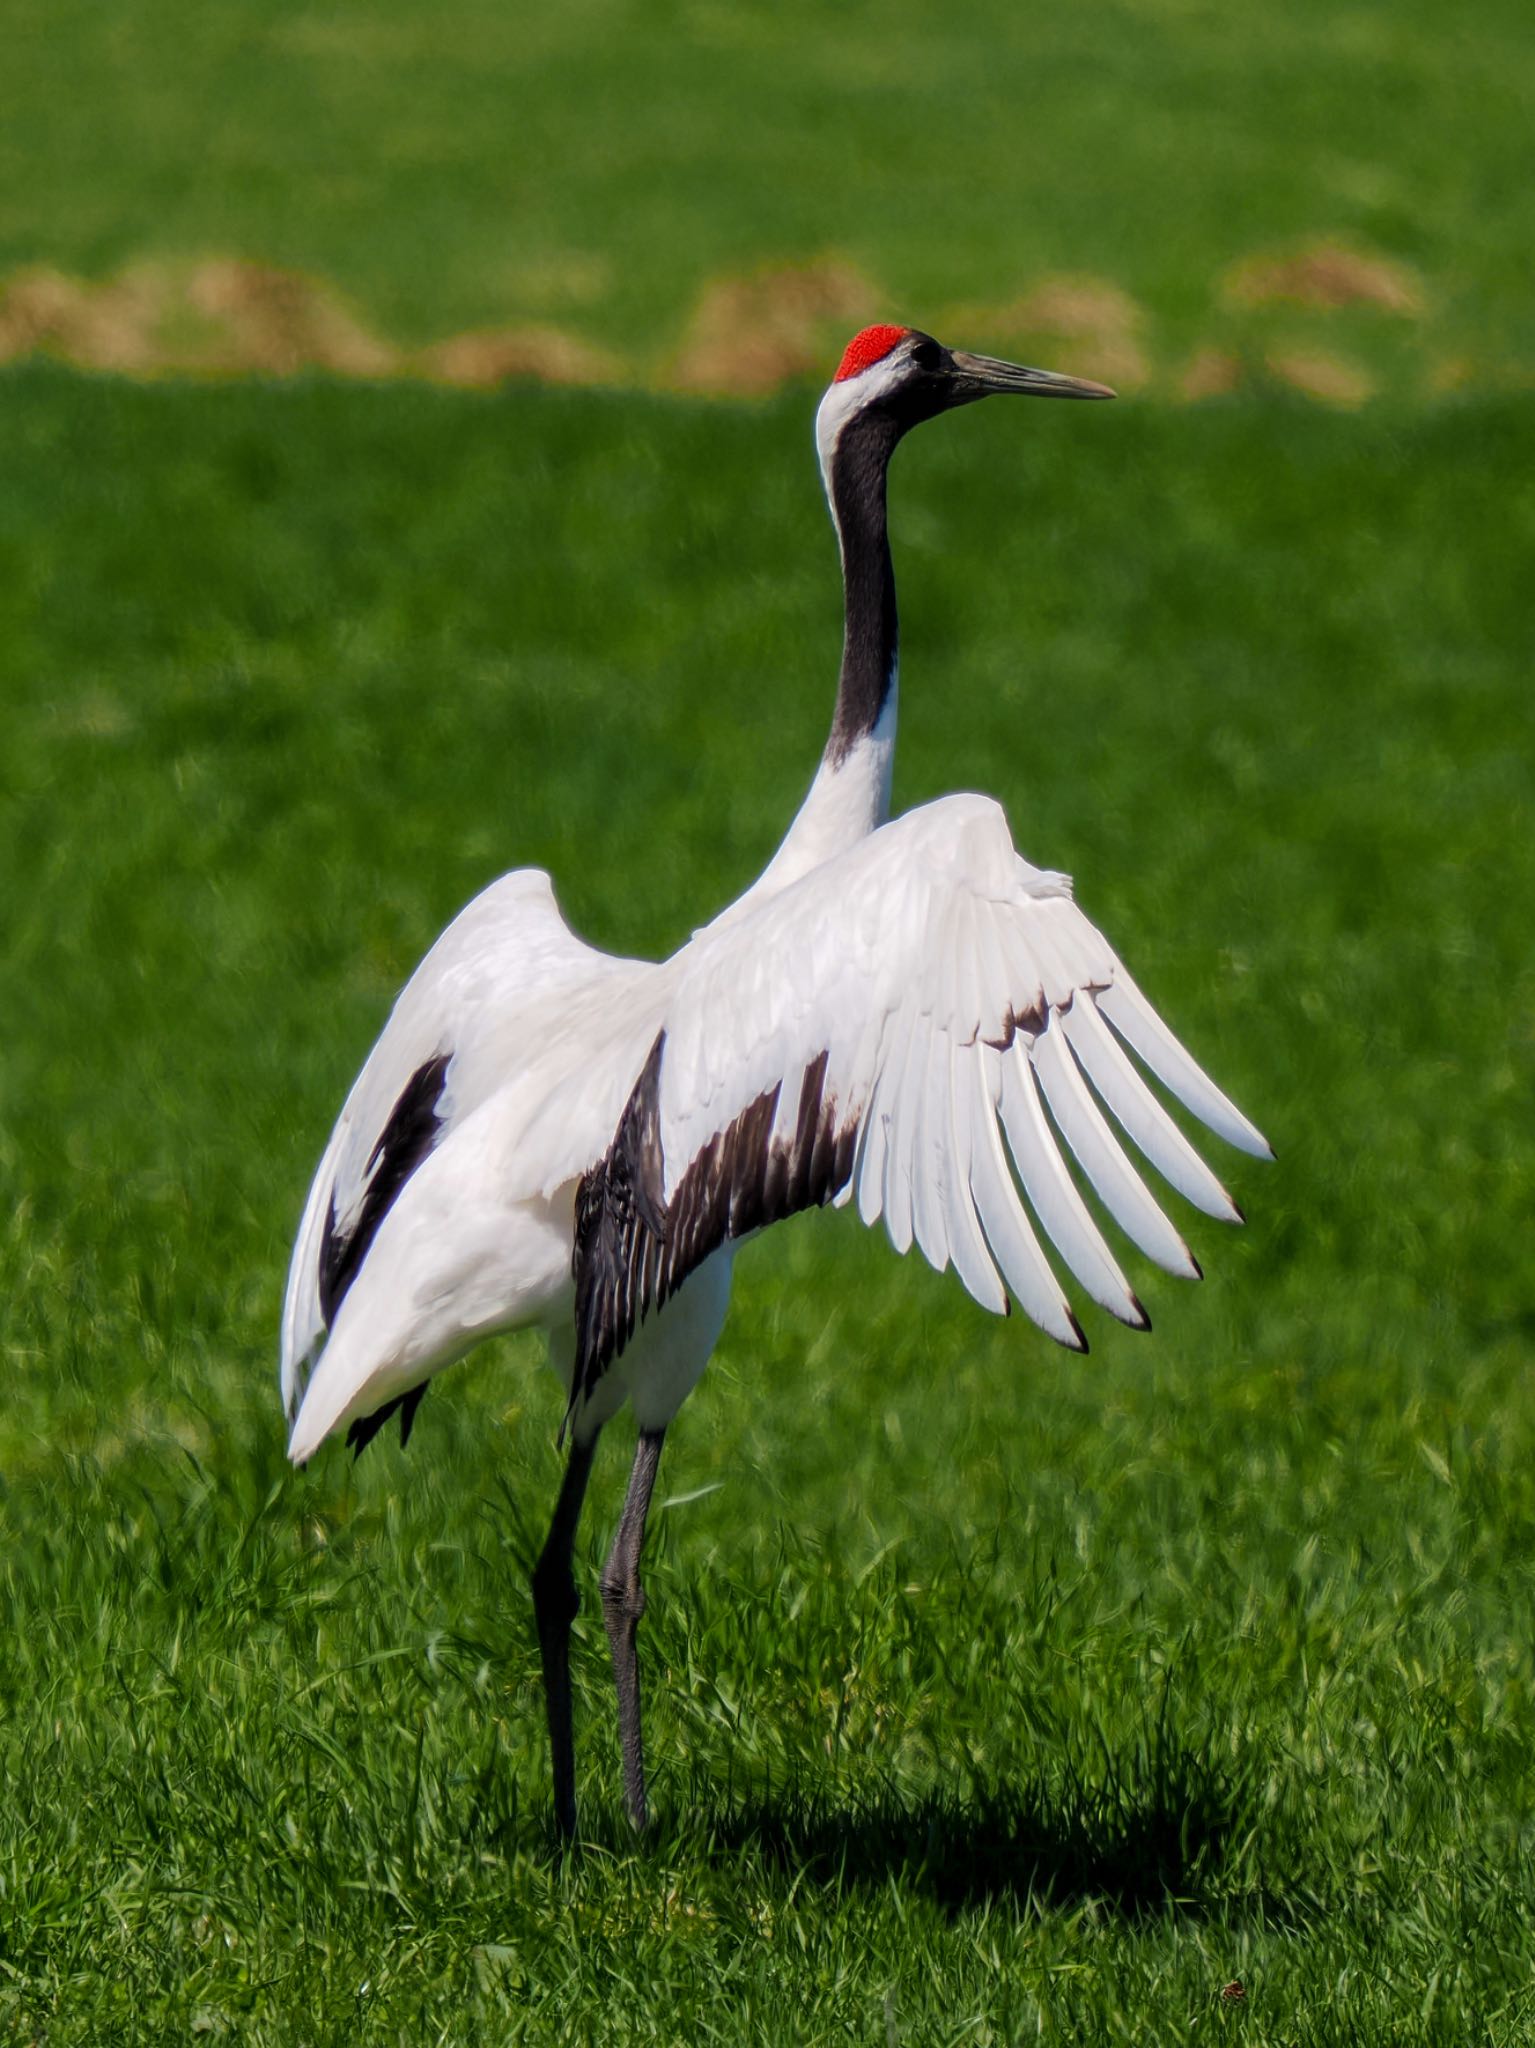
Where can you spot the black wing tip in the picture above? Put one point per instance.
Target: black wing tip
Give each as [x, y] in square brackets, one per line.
[408, 1407]
[1138, 1319]
[366, 1427]
[1077, 1341]
[409, 1133]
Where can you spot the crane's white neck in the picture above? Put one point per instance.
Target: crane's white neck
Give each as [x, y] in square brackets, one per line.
[849, 799]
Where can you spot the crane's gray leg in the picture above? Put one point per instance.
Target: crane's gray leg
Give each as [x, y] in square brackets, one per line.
[555, 1602]
[623, 1602]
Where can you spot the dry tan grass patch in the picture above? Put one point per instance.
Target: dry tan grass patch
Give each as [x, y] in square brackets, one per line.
[1320, 375]
[748, 335]
[279, 322]
[1324, 276]
[109, 326]
[1090, 323]
[482, 360]
[220, 316]
[1210, 373]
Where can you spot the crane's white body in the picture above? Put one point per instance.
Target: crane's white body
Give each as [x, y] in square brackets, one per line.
[904, 957]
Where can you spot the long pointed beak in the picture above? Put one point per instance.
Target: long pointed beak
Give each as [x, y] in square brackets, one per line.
[983, 376]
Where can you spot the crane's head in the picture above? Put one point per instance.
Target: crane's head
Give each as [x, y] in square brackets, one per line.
[893, 378]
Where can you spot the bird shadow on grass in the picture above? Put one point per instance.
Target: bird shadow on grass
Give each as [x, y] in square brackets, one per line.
[1177, 1838]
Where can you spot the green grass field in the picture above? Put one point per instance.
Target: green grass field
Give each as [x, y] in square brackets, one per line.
[994, 1694]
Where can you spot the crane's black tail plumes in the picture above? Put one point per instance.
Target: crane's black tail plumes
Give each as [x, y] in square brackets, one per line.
[367, 1427]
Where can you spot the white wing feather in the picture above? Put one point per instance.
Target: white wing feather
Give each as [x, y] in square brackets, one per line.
[1024, 1265]
[1141, 1115]
[1118, 1186]
[472, 998]
[1053, 1193]
[947, 983]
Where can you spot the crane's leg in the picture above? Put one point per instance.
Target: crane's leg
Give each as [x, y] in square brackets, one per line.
[623, 1602]
[555, 1602]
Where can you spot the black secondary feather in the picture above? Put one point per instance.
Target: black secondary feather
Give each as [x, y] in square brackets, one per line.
[367, 1427]
[633, 1249]
[407, 1137]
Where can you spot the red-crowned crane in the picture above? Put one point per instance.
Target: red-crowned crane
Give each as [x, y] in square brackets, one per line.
[546, 1137]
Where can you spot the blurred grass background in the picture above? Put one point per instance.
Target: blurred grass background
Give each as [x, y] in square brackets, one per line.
[605, 170]
[993, 1694]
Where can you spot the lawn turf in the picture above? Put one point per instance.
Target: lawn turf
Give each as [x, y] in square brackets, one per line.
[993, 1693]
[601, 166]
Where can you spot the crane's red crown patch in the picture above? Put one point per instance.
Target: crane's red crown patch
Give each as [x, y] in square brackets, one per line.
[872, 346]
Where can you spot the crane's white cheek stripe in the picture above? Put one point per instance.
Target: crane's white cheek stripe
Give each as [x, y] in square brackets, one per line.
[842, 401]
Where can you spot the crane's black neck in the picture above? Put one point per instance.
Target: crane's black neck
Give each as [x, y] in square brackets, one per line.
[855, 484]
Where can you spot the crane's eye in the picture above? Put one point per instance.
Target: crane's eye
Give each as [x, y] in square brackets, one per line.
[926, 354]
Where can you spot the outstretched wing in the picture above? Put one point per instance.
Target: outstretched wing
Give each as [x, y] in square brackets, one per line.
[876, 1032]
[450, 1039]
